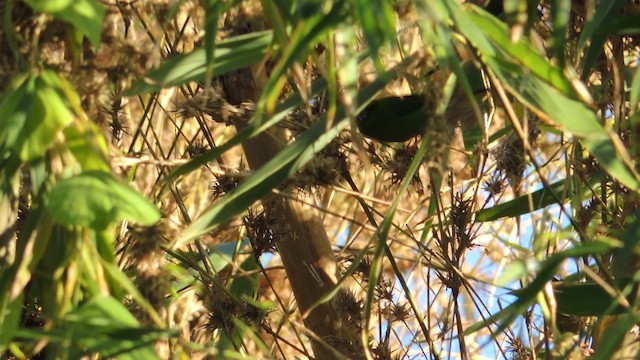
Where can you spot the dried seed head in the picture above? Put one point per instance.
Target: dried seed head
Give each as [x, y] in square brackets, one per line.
[510, 154]
[155, 288]
[384, 290]
[348, 309]
[325, 169]
[398, 165]
[223, 309]
[398, 312]
[259, 230]
[518, 350]
[145, 249]
[382, 351]
[224, 184]
[110, 114]
[460, 219]
[585, 213]
[196, 148]
[495, 185]
[510, 159]
[364, 268]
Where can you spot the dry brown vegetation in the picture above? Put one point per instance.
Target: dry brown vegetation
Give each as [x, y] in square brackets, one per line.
[355, 248]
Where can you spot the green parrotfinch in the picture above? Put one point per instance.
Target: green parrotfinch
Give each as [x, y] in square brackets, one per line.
[400, 118]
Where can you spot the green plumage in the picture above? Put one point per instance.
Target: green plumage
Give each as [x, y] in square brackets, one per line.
[395, 119]
[400, 118]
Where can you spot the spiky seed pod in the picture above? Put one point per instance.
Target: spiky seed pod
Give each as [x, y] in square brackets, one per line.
[260, 232]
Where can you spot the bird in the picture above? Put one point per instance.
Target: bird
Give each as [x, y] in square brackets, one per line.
[401, 118]
[395, 118]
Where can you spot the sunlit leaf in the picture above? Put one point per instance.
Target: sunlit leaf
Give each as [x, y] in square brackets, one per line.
[525, 204]
[548, 93]
[230, 54]
[104, 325]
[95, 199]
[84, 15]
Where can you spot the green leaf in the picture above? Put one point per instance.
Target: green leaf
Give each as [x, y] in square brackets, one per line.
[527, 295]
[246, 284]
[606, 11]
[280, 168]
[491, 37]
[84, 15]
[634, 96]
[10, 313]
[95, 199]
[527, 203]
[615, 334]
[102, 311]
[15, 107]
[378, 22]
[84, 154]
[36, 111]
[103, 325]
[230, 54]
[47, 115]
[49, 6]
[630, 239]
[549, 94]
[570, 299]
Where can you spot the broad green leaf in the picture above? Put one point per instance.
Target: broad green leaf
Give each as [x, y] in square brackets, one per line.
[514, 271]
[84, 154]
[230, 54]
[103, 325]
[528, 294]
[522, 204]
[630, 239]
[605, 11]
[96, 199]
[246, 284]
[570, 299]
[15, 107]
[84, 15]
[10, 313]
[521, 54]
[634, 99]
[36, 111]
[49, 6]
[102, 311]
[623, 25]
[47, 115]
